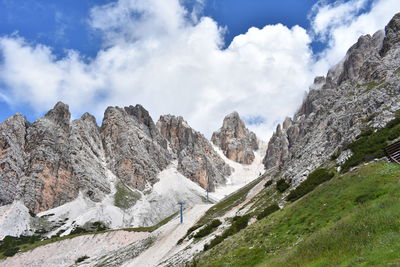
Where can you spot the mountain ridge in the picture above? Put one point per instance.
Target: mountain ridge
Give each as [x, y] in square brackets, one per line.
[54, 164]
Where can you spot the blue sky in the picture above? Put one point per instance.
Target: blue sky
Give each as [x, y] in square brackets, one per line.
[66, 25]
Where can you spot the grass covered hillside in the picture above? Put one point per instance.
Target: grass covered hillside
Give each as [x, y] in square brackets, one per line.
[351, 220]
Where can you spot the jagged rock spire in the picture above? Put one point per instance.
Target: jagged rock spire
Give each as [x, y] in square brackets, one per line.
[235, 140]
[197, 160]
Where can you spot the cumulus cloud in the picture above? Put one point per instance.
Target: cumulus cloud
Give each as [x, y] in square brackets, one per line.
[172, 60]
[341, 23]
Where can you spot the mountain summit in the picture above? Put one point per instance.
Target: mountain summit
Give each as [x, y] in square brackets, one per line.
[235, 140]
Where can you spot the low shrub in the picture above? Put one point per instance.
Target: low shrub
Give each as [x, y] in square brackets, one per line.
[238, 223]
[314, 179]
[80, 259]
[189, 231]
[209, 228]
[89, 228]
[193, 228]
[267, 184]
[218, 239]
[98, 226]
[335, 155]
[79, 230]
[9, 252]
[10, 244]
[282, 185]
[267, 211]
[47, 215]
[361, 199]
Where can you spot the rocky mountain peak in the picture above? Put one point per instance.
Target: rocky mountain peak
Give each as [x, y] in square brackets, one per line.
[89, 117]
[141, 114]
[136, 150]
[234, 126]
[59, 114]
[366, 49]
[177, 131]
[197, 159]
[143, 117]
[235, 140]
[392, 36]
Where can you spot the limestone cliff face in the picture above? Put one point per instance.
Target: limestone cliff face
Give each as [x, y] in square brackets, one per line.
[53, 159]
[235, 140]
[361, 91]
[278, 147]
[88, 158]
[12, 144]
[48, 179]
[197, 159]
[135, 150]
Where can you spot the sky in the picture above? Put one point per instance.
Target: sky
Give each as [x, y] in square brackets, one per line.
[200, 59]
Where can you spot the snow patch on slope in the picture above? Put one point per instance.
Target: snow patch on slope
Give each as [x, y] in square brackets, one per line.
[154, 204]
[243, 174]
[14, 220]
[66, 252]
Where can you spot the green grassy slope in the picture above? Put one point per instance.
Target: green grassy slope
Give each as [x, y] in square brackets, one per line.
[351, 220]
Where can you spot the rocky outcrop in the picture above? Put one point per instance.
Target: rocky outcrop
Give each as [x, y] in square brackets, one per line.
[235, 140]
[362, 60]
[88, 158]
[48, 179]
[278, 148]
[197, 159]
[392, 37]
[135, 150]
[60, 159]
[12, 154]
[361, 91]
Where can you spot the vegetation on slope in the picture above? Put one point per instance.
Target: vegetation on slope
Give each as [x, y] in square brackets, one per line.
[208, 229]
[282, 185]
[370, 144]
[125, 198]
[351, 220]
[81, 259]
[219, 209]
[228, 203]
[9, 246]
[269, 196]
[267, 211]
[238, 223]
[314, 179]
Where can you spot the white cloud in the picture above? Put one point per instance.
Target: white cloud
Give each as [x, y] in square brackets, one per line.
[156, 54]
[341, 24]
[327, 16]
[171, 60]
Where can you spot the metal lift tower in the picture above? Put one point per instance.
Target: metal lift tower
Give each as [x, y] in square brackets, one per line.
[181, 210]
